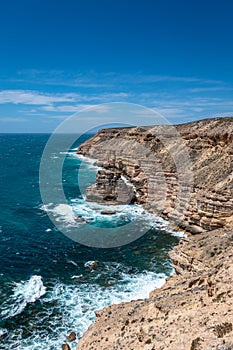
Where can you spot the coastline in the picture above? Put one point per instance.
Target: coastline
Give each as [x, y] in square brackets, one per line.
[192, 186]
[162, 221]
[193, 310]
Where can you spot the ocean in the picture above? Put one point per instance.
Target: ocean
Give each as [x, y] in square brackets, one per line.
[49, 285]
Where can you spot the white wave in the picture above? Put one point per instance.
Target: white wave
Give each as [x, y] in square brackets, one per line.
[23, 293]
[76, 277]
[132, 212]
[65, 152]
[85, 159]
[90, 263]
[3, 332]
[72, 262]
[87, 163]
[78, 302]
[91, 212]
[178, 234]
[62, 212]
[75, 307]
[80, 212]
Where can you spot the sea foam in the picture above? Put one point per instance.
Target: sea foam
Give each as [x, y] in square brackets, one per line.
[23, 293]
[72, 308]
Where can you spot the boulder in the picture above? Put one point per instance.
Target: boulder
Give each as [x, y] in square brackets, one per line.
[108, 212]
[71, 337]
[66, 347]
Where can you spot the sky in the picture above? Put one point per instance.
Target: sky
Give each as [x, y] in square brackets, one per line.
[60, 56]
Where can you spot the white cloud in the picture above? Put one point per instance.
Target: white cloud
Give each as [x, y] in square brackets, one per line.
[176, 101]
[170, 112]
[102, 108]
[30, 97]
[210, 89]
[12, 120]
[97, 80]
[50, 101]
[62, 108]
[197, 109]
[225, 114]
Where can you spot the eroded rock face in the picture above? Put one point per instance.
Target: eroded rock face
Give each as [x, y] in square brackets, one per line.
[153, 159]
[110, 188]
[192, 311]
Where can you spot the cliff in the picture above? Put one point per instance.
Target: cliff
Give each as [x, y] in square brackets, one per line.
[183, 172]
[194, 309]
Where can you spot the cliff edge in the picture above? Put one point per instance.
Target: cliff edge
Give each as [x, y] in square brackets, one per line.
[194, 309]
[183, 172]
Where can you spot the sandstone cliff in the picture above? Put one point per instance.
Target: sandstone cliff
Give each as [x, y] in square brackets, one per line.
[194, 309]
[183, 173]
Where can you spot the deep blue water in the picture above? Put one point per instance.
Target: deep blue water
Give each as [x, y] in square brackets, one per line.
[48, 286]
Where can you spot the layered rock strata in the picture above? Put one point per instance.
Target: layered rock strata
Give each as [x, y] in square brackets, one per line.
[182, 172]
[110, 188]
[194, 309]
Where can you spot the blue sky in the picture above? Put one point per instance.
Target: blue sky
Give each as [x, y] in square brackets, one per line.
[58, 57]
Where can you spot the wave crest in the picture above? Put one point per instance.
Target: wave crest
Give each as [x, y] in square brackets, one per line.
[23, 293]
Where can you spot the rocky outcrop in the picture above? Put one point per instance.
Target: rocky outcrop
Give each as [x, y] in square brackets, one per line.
[186, 174]
[192, 311]
[110, 188]
[182, 172]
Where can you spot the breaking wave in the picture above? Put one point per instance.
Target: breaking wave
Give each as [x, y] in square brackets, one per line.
[67, 308]
[23, 294]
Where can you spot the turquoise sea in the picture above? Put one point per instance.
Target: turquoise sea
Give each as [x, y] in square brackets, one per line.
[49, 285]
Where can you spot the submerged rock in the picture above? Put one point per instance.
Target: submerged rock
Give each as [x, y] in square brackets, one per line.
[108, 212]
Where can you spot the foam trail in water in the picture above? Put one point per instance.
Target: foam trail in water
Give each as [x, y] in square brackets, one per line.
[62, 212]
[80, 212]
[23, 293]
[72, 307]
[3, 332]
[78, 302]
